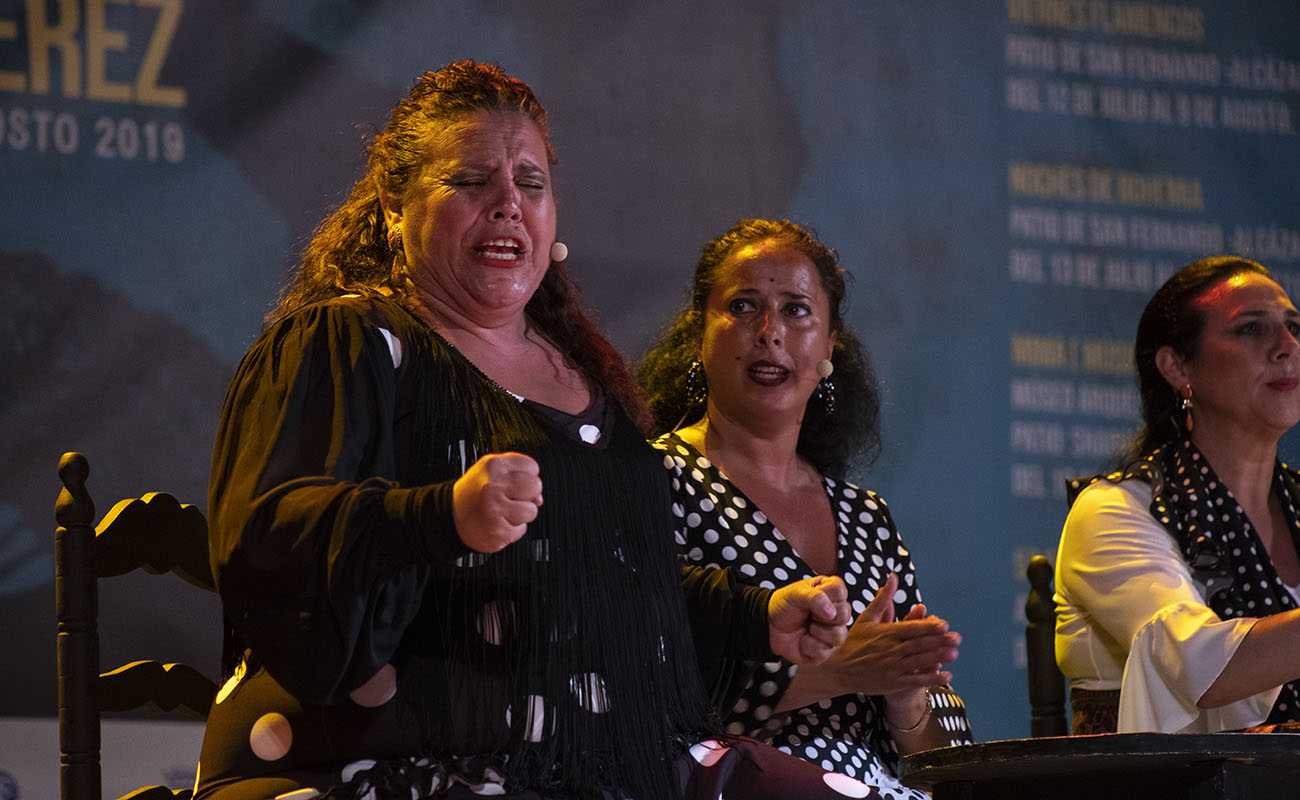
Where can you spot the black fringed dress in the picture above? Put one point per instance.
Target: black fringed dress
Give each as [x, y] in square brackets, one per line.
[371, 654]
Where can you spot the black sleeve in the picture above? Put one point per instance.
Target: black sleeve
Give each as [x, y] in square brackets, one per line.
[730, 626]
[320, 556]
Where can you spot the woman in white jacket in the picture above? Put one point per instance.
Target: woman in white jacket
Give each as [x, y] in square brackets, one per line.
[1178, 582]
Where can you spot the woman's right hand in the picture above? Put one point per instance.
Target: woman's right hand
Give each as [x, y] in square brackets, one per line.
[496, 498]
[881, 656]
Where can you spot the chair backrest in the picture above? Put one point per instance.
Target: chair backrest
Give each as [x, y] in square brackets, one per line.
[154, 533]
[1046, 683]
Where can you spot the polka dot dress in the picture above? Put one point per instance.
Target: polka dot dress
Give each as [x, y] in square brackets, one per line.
[720, 527]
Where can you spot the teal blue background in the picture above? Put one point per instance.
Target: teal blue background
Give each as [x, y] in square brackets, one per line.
[133, 286]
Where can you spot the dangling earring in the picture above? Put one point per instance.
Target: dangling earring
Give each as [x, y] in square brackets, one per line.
[697, 389]
[395, 239]
[559, 251]
[1187, 405]
[825, 390]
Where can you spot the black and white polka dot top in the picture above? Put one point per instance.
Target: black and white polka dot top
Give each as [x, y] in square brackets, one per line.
[718, 526]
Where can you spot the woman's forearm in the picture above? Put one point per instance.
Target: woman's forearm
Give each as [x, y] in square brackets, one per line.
[809, 685]
[1268, 656]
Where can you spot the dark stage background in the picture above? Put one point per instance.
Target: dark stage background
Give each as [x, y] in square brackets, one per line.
[1007, 181]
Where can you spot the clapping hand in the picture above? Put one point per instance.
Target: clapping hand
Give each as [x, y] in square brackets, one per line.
[886, 657]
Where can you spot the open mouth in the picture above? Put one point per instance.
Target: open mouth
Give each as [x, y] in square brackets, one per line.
[768, 374]
[500, 250]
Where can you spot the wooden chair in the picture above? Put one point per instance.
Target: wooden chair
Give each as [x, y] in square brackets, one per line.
[1046, 683]
[155, 533]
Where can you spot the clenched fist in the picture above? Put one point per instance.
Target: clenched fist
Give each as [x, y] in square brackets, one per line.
[807, 619]
[496, 498]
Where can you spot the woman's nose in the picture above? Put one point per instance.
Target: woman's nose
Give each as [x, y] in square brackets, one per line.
[769, 330]
[1287, 344]
[506, 203]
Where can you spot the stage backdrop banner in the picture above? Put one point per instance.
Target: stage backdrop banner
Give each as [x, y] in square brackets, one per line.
[1007, 182]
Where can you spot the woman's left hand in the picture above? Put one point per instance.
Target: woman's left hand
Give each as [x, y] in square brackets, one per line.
[807, 619]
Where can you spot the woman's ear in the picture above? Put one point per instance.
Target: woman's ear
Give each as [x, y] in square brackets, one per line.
[1172, 366]
[392, 207]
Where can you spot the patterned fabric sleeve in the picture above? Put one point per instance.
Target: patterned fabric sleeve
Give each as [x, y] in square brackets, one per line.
[718, 526]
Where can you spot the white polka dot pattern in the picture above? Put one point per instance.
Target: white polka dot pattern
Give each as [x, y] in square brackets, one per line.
[589, 689]
[378, 690]
[350, 770]
[1223, 550]
[844, 734]
[709, 752]
[845, 785]
[488, 623]
[271, 737]
[534, 727]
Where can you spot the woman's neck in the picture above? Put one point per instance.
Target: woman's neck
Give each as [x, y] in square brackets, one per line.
[501, 333]
[1244, 464]
[514, 355]
[767, 469]
[769, 457]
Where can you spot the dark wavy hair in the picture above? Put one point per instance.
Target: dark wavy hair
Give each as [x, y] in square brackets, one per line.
[349, 251]
[830, 442]
[1172, 318]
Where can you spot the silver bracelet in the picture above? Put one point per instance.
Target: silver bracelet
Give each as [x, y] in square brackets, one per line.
[925, 717]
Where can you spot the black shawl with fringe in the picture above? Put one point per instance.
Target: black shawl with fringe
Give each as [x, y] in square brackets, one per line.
[568, 655]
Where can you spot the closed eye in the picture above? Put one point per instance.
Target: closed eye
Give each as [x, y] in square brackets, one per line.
[530, 178]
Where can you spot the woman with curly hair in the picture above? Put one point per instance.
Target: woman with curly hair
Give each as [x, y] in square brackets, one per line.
[765, 399]
[441, 540]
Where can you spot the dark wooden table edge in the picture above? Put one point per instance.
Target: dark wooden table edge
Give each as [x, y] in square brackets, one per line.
[1054, 755]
